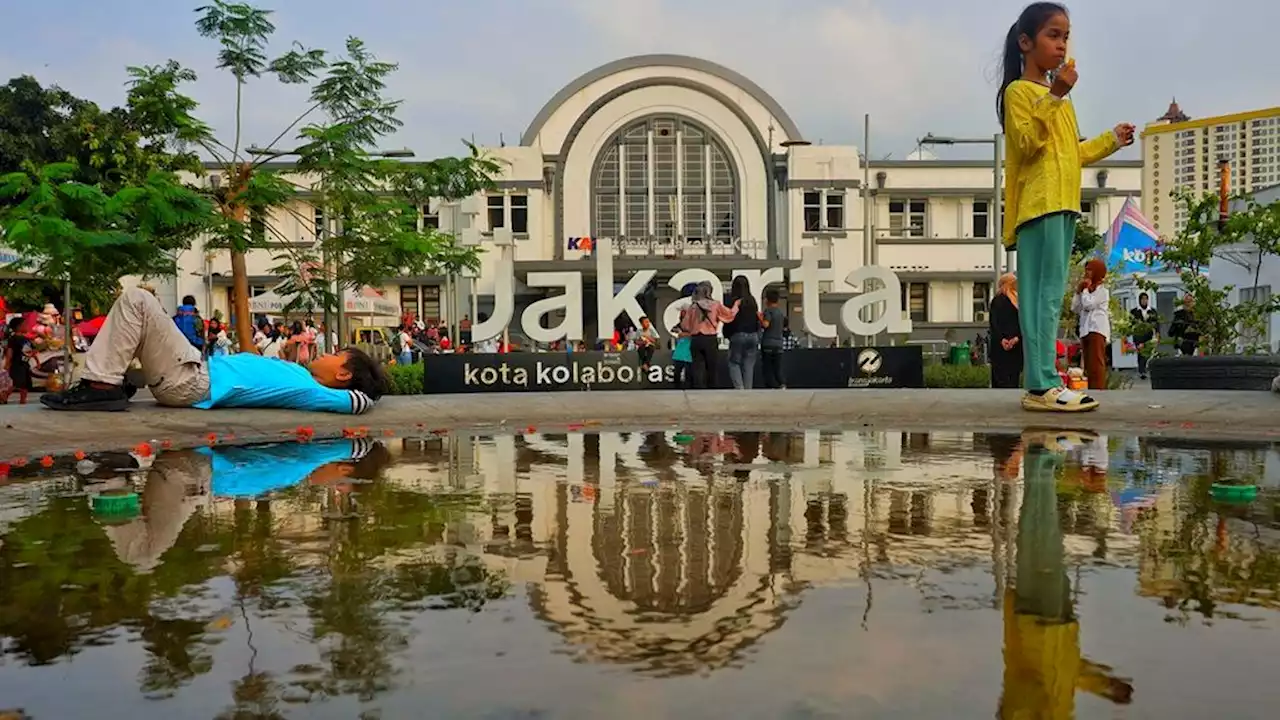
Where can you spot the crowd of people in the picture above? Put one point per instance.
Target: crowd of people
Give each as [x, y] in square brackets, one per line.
[1091, 306]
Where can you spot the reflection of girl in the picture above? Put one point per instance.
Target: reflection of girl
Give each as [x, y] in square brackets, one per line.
[1043, 667]
[1042, 192]
[1006, 335]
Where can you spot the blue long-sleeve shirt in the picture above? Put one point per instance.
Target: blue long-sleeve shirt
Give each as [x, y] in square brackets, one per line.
[251, 472]
[246, 380]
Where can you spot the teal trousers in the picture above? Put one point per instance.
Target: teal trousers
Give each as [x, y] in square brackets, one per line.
[1041, 584]
[1044, 255]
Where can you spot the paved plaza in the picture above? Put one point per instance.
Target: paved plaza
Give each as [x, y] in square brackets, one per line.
[33, 430]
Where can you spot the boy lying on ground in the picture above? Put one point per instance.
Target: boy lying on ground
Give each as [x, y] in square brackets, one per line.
[137, 327]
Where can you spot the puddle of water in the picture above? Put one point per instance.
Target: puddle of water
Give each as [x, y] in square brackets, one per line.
[801, 575]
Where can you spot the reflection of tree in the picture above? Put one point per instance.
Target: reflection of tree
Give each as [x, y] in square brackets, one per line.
[261, 560]
[372, 577]
[175, 653]
[256, 697]
[62, 588]
[1216, 553]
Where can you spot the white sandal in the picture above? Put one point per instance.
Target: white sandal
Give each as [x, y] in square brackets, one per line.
[1059, 399]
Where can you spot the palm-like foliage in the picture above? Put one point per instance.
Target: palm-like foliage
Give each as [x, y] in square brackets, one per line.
[84, 234]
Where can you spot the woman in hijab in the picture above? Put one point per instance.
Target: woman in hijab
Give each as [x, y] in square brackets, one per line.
[701, 320]
[1091, 306]
[1006, 335]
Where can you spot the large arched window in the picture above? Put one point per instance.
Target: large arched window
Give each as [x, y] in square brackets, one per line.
[664, 178]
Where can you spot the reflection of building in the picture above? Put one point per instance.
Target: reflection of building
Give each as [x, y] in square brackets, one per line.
[688, 164]
[638, 558]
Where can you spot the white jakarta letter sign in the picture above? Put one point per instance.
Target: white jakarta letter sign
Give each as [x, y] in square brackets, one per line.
[610, 304]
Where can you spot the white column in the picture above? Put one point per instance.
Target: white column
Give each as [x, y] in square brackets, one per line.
[622, 189]
[706, 176]
[609, 445]
[679, 183]
[650, 231]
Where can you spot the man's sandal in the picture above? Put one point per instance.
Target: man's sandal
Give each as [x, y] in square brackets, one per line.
[1059, 399]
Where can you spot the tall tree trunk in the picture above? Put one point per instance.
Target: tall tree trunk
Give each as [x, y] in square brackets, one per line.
[240, 287]
[237, 210]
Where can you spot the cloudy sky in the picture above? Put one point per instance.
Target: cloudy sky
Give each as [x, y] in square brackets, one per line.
[484, 67]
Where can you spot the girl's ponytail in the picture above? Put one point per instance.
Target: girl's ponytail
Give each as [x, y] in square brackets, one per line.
[1011, 68]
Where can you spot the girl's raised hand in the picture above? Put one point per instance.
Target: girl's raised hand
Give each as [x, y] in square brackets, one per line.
[1124, 133]
[1065, 79]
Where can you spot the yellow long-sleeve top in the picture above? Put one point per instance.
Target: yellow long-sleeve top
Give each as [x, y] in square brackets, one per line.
[1045, 155]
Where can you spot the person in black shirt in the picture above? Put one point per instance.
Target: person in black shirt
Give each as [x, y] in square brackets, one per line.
[1146, 329]
[743, 333]
[1183, 329]
[1006, 335]
[13, 360]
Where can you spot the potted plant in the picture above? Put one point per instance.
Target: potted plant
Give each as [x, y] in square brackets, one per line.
[1227, 354]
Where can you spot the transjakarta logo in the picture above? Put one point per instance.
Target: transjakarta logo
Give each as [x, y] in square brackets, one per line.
[610, 371]
[869, 361]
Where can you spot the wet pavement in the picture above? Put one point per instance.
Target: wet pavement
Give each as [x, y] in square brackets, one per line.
[648, 575]
[33, 431]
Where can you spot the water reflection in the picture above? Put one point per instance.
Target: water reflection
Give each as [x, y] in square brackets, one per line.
[359, 577]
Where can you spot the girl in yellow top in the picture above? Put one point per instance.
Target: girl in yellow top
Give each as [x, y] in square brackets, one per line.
[1042, 188]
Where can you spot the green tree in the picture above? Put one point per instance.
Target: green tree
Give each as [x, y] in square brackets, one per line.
[1087, 239]
[109, 149]
[85, 235]
[1222, 322]
[242, 195]
[367, 198]
[375, 201]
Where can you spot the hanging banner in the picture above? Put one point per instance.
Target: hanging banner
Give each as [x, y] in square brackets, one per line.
[812, 369]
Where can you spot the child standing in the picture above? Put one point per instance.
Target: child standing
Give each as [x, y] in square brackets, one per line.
[682, 356]
[771, 342]
[15, 371]
[1042, 188]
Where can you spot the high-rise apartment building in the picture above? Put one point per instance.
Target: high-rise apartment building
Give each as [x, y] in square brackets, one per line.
[1179, 153]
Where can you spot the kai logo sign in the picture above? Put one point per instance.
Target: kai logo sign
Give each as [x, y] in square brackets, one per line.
[567, 308]
[583, 244]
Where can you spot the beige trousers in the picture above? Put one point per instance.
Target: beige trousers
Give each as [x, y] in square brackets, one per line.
[137, 327]
[177, 485]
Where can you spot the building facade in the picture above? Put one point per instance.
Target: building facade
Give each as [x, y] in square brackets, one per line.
[1182, 154]
[1247, 276]
[684, 164]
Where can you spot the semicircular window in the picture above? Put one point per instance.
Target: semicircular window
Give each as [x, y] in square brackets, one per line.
[664, 178]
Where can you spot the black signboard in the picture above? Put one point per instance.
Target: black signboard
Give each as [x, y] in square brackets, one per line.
[880, 367]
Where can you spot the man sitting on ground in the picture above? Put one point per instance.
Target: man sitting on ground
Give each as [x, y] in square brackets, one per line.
[137, 327]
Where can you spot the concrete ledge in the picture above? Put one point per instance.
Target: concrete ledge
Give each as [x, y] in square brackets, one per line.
[33, 430]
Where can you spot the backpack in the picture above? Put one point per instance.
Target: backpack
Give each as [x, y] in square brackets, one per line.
[689, 318]
[192, 327]
[397, 347]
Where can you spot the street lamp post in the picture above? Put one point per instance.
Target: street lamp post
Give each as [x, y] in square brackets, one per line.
[996, 143]
[333, 283]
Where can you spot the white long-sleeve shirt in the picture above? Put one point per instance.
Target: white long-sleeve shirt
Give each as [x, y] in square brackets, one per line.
[1093, 309]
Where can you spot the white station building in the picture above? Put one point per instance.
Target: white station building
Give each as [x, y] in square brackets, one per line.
[685, 163]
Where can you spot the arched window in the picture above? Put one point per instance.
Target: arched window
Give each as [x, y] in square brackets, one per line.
[664, 178]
